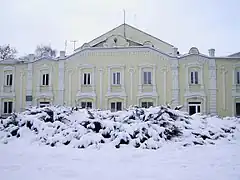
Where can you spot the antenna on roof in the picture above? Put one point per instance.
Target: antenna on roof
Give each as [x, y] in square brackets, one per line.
[124, 22]
[65, 46]
[74, 44]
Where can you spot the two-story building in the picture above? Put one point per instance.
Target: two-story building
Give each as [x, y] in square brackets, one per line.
[124, 67]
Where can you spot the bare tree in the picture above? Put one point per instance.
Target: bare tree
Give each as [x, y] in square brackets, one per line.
[45, 51]
[7, 52]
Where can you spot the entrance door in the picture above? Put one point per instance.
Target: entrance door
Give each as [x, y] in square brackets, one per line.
[237, 109]
[194, 107]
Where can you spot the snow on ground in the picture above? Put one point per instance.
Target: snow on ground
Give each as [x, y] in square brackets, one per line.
[142, 144]
[19, 160]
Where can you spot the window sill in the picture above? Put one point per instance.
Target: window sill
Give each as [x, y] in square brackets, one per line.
[86, 85]
[195, 85]
[7, 86]
[147, 84]
[116, 85]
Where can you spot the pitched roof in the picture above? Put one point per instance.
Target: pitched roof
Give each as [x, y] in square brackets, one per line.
[235, 55]
[131, 34]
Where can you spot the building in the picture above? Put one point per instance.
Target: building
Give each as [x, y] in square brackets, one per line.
[124, 67]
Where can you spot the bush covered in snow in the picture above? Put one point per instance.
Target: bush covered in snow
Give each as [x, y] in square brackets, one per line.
[137, 127]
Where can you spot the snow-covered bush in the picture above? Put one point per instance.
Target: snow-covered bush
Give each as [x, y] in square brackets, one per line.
[136, 127]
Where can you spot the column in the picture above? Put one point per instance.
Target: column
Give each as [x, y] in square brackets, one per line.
[131, 71]
[224, 72]
[164, 85]
[154, 79]
[109, 80]
[175, 83]
[21, 91]
[29, 96]
[140, 80]
[212, 87]
[122, 80]
[101, 87]
[61, 83]
[70, 87]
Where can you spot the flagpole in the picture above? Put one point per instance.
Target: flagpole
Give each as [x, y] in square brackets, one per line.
[124, 22]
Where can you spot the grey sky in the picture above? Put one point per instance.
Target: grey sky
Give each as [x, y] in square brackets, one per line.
[183, 23]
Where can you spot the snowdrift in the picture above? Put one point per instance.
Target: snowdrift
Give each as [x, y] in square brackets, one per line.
[137, 127]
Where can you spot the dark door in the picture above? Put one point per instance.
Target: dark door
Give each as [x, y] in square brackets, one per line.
[192, 110]
[237, 109]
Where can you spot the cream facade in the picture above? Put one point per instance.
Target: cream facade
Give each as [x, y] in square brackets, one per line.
[124, 67]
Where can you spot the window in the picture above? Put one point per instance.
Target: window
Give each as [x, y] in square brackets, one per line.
[45, 79]
[116, 78]
[86, 78]
[147, 77]
[147, 104]
[116, 106]
[44, 104]
[194, 107]
[9, 79]
[194, 77]
[8, 107]
[238, 109]
[86, 104]
[238, 77]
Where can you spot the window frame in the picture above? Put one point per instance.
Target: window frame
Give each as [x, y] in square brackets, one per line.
[148, 104]
[43, 104]
[194, 77]
[8, 78]
[87, 103]
[116, 104]
[147, 80]
[45, 79]
[116, 78]
[87, 79]
[8, 107]
[197, 105]
[237, 79]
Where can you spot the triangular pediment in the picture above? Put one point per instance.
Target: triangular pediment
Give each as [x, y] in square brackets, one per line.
[126, 35]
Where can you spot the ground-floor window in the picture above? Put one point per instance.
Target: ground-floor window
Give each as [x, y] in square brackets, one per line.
[147, 104]
[86, 104]
[194, 107]
[8, 107]
[44, 104]
[238, 109]
[116, 106]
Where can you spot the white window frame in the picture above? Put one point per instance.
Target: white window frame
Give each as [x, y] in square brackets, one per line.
[115, 106]
[44, 104]
[86, 104]
[148, 75]
[7, 76]
[115, 76]
[7, 107]
[87, 75]
[44, 79]
[196, 105]
[193, 78]
[237, 77]
[148, 103]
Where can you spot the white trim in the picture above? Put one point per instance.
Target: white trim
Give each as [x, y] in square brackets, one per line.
[101, 84]
[70, 72]
[61, 82]
[21, 91]
[131, 71]
[29, 83]
[212, 71]
[175, 83]
[224, 72]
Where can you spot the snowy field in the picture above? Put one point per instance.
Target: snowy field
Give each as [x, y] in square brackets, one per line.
[20, 161]
[59, 143]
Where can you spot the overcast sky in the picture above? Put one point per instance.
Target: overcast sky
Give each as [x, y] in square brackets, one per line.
[183, 23]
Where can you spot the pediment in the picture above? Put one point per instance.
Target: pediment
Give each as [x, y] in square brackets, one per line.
[127, 35]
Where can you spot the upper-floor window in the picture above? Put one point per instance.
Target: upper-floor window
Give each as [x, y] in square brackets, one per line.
[8, 79]
[45, 79]
[86, 78]
[7, 107]
[116, 78]
[147, 77]
[238, 77]
[194, 77]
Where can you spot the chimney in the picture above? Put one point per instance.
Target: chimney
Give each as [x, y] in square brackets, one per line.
[211, 52]
[175, 51]
[31, 57]
[62, 54]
